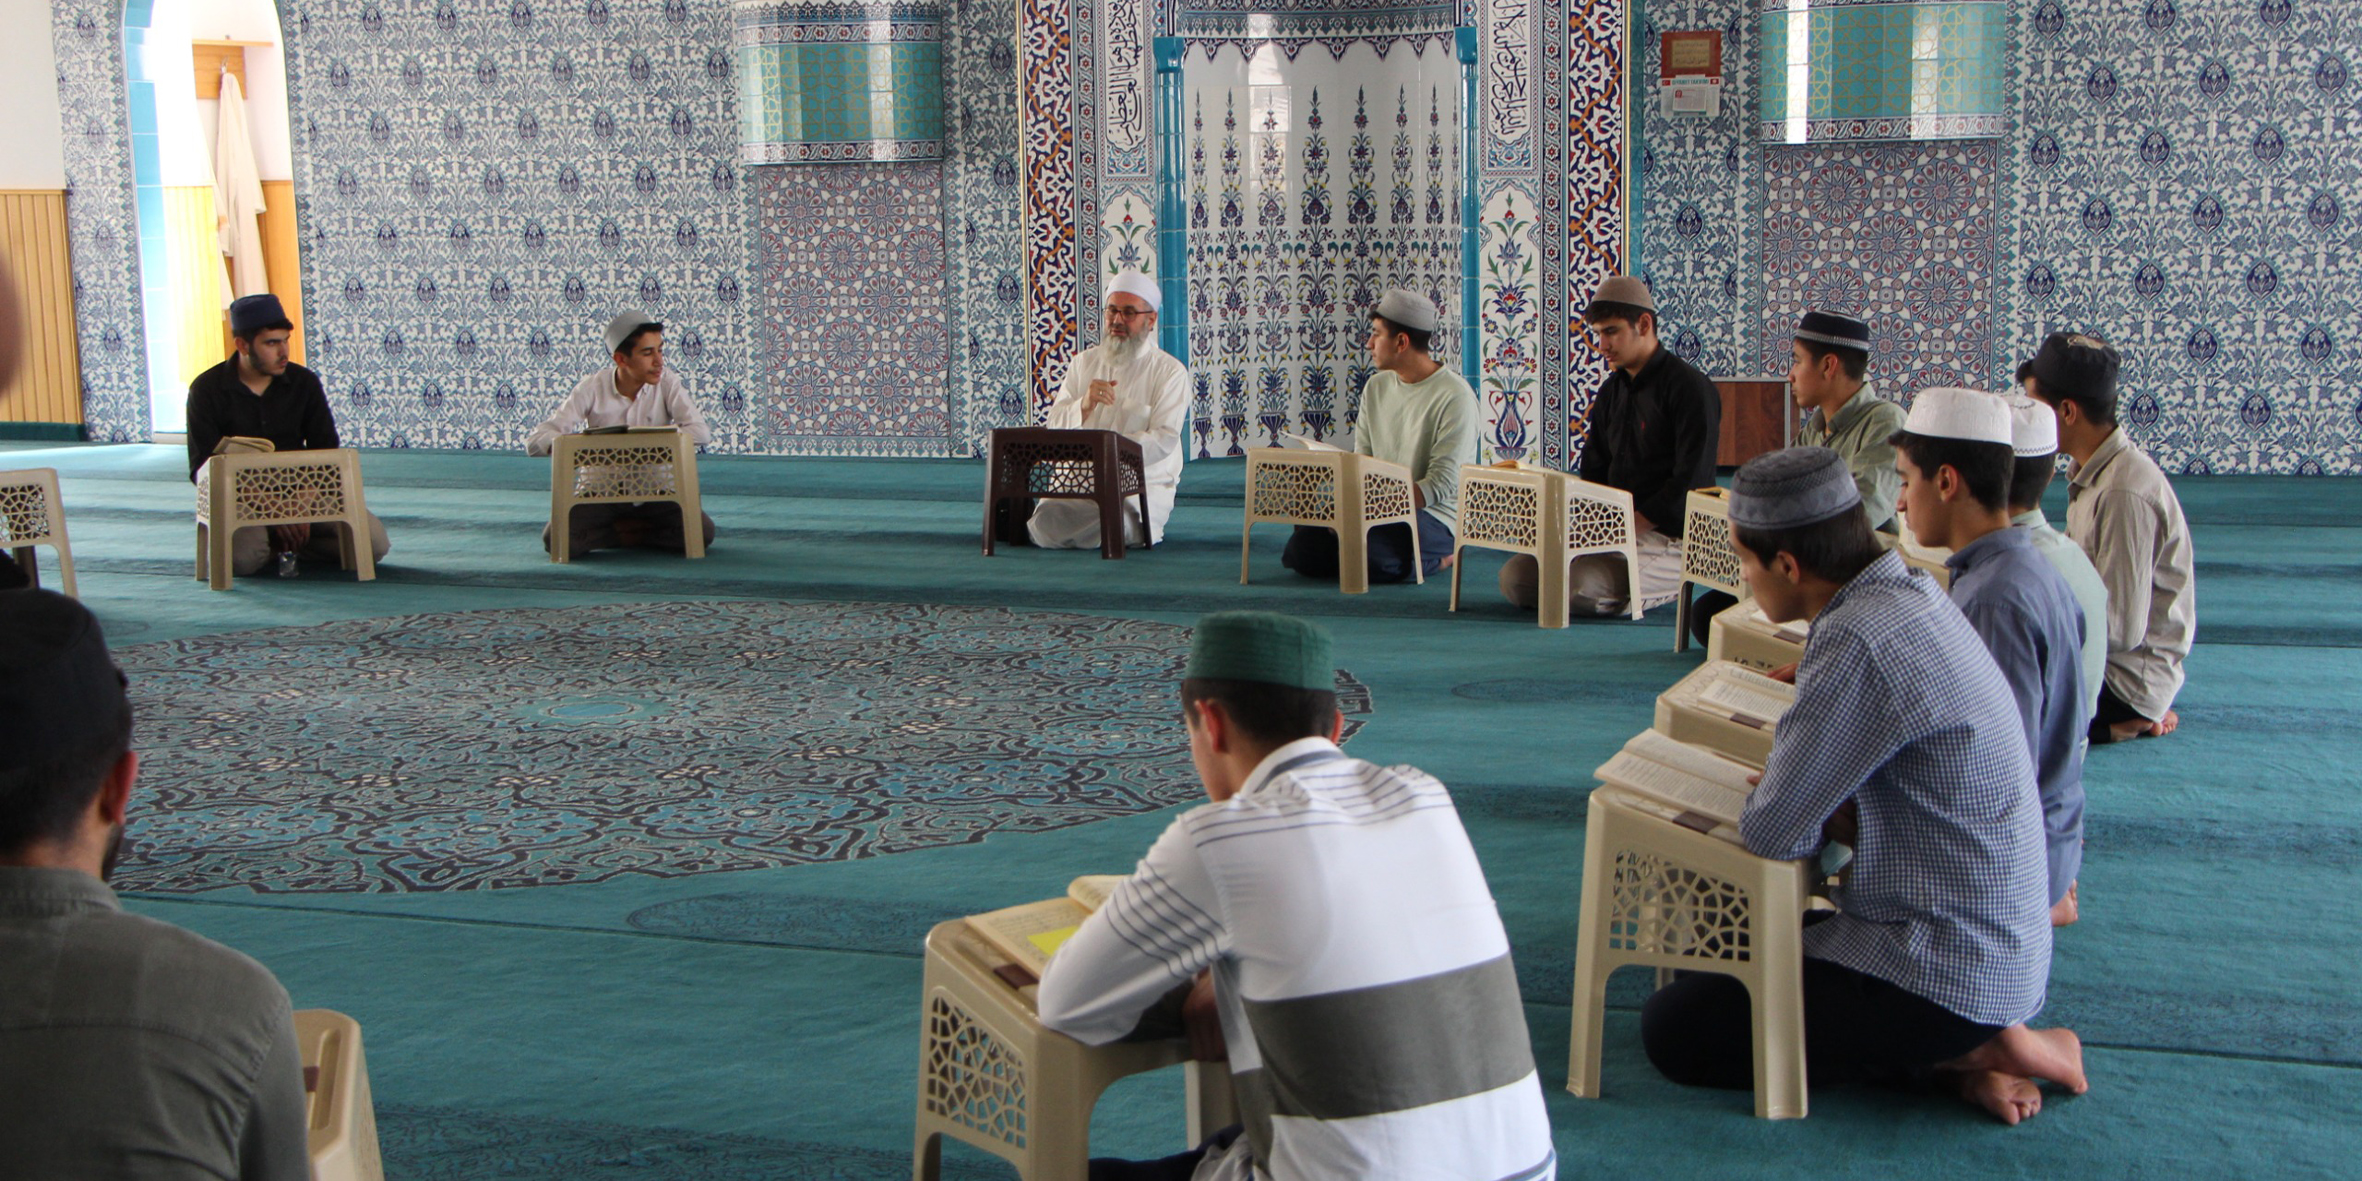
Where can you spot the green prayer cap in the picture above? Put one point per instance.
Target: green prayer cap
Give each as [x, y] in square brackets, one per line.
[1263, 646]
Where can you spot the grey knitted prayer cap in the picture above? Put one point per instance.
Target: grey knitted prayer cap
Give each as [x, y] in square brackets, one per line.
[1409, 309]
[1785, 489]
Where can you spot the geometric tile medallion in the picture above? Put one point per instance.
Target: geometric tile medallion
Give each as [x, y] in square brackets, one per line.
[486, 749]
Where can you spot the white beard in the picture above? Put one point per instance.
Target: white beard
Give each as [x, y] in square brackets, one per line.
[1123, 348]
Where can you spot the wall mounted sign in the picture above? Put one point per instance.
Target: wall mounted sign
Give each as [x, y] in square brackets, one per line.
[1840, 70]
[828, 81]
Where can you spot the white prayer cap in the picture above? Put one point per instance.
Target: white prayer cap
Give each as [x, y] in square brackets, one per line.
[1135, 283]
[1409, 309]
[1948, 412]
[2033, 427]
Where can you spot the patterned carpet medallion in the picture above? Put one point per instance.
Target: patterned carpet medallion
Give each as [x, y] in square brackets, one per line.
[482, 749]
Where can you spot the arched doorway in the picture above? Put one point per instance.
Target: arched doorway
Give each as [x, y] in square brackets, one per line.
[199, 73]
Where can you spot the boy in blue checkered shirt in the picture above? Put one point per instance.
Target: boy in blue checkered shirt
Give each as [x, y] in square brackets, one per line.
[1904, 742]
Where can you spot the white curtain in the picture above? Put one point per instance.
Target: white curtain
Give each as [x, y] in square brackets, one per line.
[237, 196]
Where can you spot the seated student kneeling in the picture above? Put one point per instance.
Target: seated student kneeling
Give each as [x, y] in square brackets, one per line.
[1904, 732]
[1357, 961]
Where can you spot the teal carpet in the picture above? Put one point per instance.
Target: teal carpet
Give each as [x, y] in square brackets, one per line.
[761, 1022]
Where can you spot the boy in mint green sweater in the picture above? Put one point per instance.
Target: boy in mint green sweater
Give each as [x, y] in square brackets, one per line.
[1416, 413]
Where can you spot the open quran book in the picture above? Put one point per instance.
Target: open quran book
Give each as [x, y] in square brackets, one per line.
[1727, 708]
[1698, 788]
[1305, 443]
[1030, 934]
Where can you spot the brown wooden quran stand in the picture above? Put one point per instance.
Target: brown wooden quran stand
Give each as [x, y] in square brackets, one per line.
[1026, 464]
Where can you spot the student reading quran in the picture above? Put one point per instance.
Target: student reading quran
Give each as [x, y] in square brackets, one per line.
[1130, 385]
[1957, 461]
[259, 394]
[2034, 437]
[1358, 965]
[1828, 367]
[1903, 741]
[1415, 412]
[2123, 512]
[633, 389]
[128, 1047]
[1654, 429]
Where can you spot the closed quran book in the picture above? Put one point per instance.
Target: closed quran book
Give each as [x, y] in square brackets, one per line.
[1690, 778]
[1727, 708]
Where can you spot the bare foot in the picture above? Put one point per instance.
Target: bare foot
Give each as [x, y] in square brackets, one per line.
[2055, 1055]
[1449, 561]
[2007, 1097]
[2163, 726]
[2063, 912]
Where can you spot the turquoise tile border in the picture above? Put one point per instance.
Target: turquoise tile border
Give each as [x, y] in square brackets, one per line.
[1884, 71]
[837, 82]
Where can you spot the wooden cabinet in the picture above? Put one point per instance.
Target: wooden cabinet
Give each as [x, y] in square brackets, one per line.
[1757, 416]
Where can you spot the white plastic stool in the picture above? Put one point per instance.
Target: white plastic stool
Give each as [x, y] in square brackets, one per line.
[245, 489]
[341, 1120]
[633, 467]
[1343, 490]
[31, 514]
[1664, 896]
[1738, 636]
[1550, 515]
[1708, 555]
[991, 1076]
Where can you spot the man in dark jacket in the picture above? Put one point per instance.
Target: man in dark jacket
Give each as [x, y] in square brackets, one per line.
[258, 393]
[1655, 426]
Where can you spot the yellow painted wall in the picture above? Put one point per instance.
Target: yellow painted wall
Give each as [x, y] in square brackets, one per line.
[192, 257]
[48, 385]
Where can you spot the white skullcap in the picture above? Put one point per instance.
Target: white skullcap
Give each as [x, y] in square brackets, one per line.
[1948, 412]
[1135, 283]
[1409, 309]
[2033, 427]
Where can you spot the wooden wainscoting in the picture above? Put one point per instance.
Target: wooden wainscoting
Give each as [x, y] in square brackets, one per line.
[192, 258]
[48, 385]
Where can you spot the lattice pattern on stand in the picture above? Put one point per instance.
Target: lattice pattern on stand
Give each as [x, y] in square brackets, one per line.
[1062, 468]
[1500, 513]
[638, 471]
[1281, 491]
[1385, 497]
[1706, 552]
[1596, 524]
[280, 492]
[24, 514]
[1660, 907]
[972, 1078]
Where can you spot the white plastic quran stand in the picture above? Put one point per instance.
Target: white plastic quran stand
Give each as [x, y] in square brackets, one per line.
[247, 489]
[1708, 556]
[638, 466]
[31, 514]
[992, 1077]
[1342, 490]
[340, 1118]
[1743, 636]
[1660, 895]
[1550, 515]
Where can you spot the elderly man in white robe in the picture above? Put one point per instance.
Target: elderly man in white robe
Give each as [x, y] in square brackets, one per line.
[1129, 385]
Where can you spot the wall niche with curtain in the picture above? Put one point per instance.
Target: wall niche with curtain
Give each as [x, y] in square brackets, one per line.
[1317, 173]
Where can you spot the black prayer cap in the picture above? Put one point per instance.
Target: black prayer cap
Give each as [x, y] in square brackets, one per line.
[59, 688]
[1836, 329]
[2073, 365]
[257, 313]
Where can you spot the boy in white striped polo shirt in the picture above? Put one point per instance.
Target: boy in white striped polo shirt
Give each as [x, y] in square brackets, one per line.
[1358, 965]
